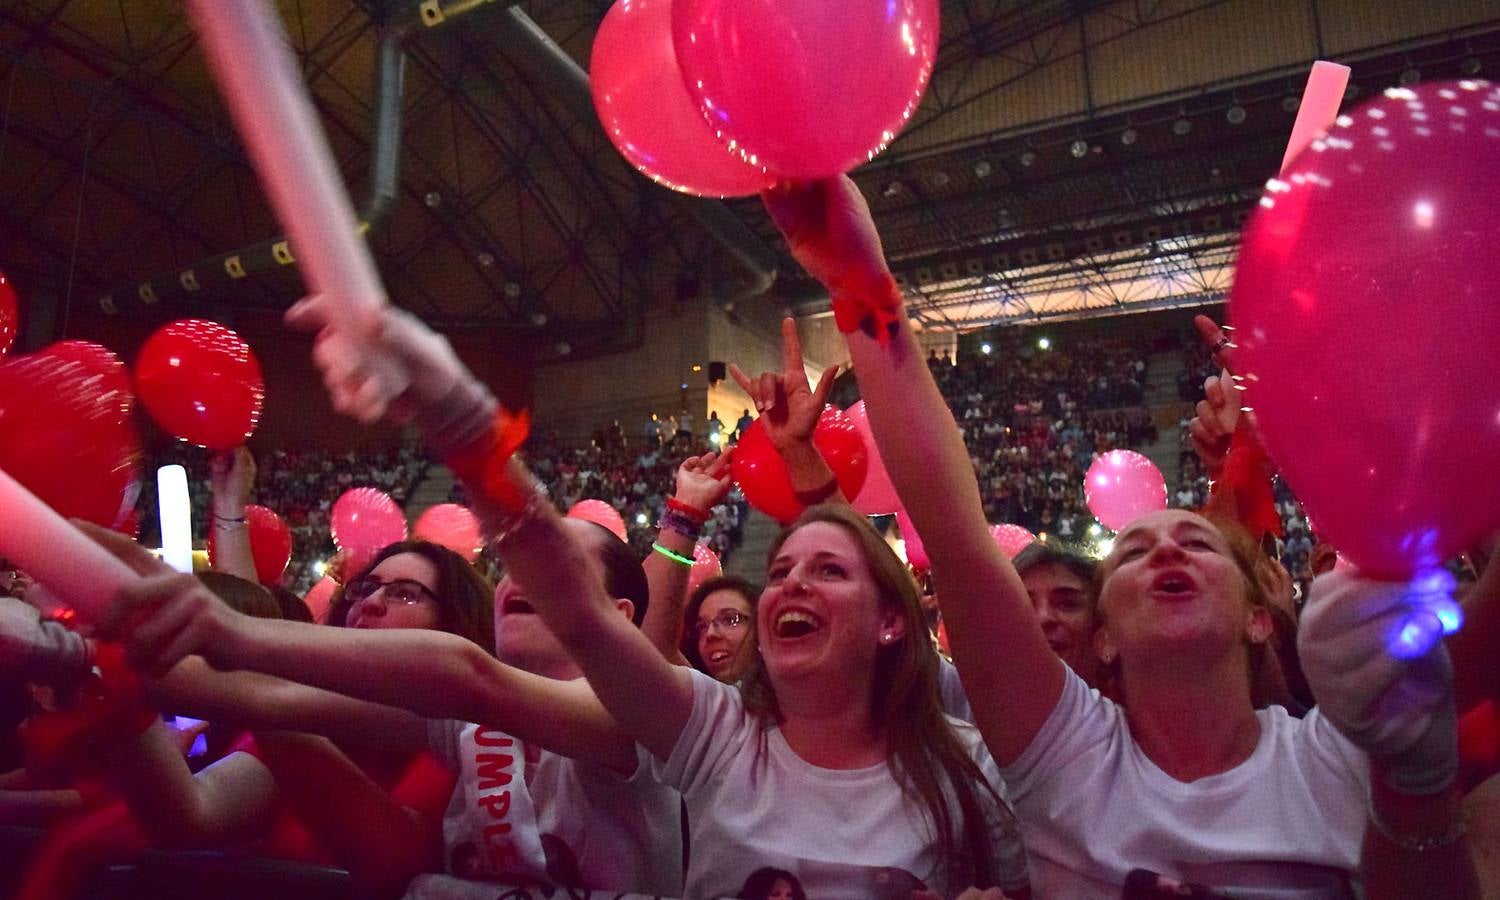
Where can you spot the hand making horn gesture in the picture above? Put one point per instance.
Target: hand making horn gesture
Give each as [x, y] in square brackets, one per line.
[789, 405]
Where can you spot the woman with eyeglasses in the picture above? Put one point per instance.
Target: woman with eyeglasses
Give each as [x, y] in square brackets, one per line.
[720, 635]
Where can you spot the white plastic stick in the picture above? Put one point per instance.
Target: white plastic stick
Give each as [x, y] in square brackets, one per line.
[43, 545]
[1319, 108]
[259, 78]
[176, 511]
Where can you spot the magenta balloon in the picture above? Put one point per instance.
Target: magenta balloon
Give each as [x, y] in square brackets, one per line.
[450, 525]
[916, 552]
[1365, 309]
[600, 513]
[1122, 485]
[647, 113]
[1011, 539]
[706, 565]
[365, 519]
[810, 88]
[878, 496]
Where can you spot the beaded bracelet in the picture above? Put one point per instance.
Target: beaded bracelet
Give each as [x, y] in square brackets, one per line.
[672, 555]
[676, 521]
[1414, 843]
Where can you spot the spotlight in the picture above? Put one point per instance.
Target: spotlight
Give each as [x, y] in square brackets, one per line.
[892, 189]
[1044, 343]
[1079, 149]
[1235, 115]
[1028, 159]
[982, 169]
[1181, 127]
[1129, 136]
[985, 349]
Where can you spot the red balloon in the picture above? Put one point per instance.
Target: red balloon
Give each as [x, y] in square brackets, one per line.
[706, 565]
[363, 521]
[1365, 306]
[1011, 539]
[600, 513]
[201, 383]
[810, 89]
[762, 474]
[451, 526]
[99, 361]
[320, 597]
[65, 439]
[10, 315]
[647, 112]
[1122, 485]
[878, 496]
[270, 544]
[130, 524]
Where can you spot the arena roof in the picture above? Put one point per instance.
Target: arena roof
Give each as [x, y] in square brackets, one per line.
[1072, 157]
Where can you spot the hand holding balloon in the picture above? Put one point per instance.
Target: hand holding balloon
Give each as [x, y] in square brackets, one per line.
[703, 481]
[828, 228]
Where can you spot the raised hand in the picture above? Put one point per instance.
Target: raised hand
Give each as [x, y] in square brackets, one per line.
[402, 372]
[1218, 413]
[788, 404]
[702, 481]
[232, 476]
[828, 228]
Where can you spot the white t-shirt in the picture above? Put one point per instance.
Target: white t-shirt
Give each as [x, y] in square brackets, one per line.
[843, 833]
[598, 829]
[1286, 823]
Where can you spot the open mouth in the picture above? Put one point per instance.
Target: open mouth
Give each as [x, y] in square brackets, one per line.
[795, 623]
[516, 604]
[718, 657]
[1173, 585]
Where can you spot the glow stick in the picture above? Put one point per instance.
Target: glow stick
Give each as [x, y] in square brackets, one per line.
[43, 545]
[259, 78]
[176, 511]
[1319, 108]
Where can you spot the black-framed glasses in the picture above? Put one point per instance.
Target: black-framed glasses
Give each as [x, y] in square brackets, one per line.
[402, 590]
[727, 620]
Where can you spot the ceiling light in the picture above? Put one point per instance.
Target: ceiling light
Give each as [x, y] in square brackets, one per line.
[1079, 149]
[1181, 127]
[1028, 159]
[892, 189]
[1129, 136]
[485, 259]
[1470, 66]
[982, 169]
[1290, 104]
[1410, 77]
[985, 349]
[1235, 115]
[433, 199]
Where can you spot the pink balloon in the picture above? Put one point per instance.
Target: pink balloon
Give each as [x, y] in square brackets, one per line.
[1011, 539]
[878, 496]
[1121, 486]
[916, 553]
[364, 520]
[451, 526]
[810, 88]
[706, 565]
[600, 513]
[647, 113]
[1365, 306]
[320, 597]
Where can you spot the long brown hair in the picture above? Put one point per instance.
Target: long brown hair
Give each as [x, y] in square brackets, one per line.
[466, 600]
[924, 753]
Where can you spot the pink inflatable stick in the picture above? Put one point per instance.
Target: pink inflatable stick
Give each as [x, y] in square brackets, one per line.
[62, 558]
[258, 76]
[1320, 106]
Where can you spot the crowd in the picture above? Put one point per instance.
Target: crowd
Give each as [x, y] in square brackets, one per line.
[1033, 420]
[1161, 722]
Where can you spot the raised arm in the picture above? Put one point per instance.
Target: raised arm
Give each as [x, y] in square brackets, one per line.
[233, 478]
[702, 482]
[166, 618]
[1012, 678]
[649, 696]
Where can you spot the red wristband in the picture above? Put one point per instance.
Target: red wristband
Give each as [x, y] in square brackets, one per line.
[482, 467]
[873, 307]
[692, 512]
